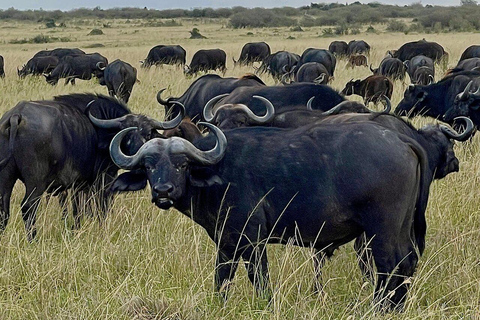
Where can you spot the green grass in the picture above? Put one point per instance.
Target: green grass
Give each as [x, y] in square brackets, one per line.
[146, 263]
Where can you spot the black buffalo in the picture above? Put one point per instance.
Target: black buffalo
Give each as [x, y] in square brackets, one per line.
[434, 100]
[59, 52]
[392, 68]
[338, 48]
[253, 52]
[285, 97]
[205, 88]
[322, 56]
[204, 60]
[372, 88]
[162, 54]
[420, 69]
[312, 72]
[280, 65]
[265, 185]
[358, 47]
[471, 52]
[422, 47]
[119, 77]
[2, 67]
[53, 146]
[81, 66]
[38, 65]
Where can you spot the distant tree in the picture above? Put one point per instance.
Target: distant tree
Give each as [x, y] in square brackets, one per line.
[468, 2]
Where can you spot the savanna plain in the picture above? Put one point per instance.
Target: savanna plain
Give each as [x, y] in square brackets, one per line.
[147, 263]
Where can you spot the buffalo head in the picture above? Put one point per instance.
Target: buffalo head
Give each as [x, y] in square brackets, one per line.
[168, 163]
[466, 103]
[413, 101]
[351, 87]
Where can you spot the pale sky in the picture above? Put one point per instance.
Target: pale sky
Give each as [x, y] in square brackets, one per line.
[185, 4]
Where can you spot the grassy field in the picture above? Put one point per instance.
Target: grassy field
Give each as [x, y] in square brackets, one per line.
[145, 263]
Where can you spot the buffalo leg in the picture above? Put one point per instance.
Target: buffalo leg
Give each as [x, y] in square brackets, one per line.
[257, 268]
[7, 179]
[396, 262]
[225, 268]
[29, 210]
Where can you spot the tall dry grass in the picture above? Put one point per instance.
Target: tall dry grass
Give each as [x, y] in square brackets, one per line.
[145, 263]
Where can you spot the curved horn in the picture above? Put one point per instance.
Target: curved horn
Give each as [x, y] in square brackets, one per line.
[452, 134]
[269, 114]
[104, 123]
[119, 158]
[411, 87]
[320, 78]
[336, 109]
[160, 100]
[165, 125]
[208, 113]
[211, 156]
[284, 69]
[388, 105]
[475, 94]
[371, 69]
[234, 62]
[309, 103]
[100, 65]
[462, 96]
[431, 79]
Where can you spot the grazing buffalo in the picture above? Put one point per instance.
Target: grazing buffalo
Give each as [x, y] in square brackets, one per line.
[59, 52]
[357, 60]
[204, 89]
[434, 100]
[372, 88]
[53, 146]
[466, 103]
[38, 65]
[119, 77]
[251, 186]
[338, 48]
[421, 69]
[73, 67]
[2, 67]
[358, 47]
[162, 54]
[312, 72]
[391, 68]
[252, 52]
[322, 56]
[471, 52]
[280, 64]
[422, 47]
[204, 60]
[285, 97]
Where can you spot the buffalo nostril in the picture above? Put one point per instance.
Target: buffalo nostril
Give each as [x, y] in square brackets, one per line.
[163, 189]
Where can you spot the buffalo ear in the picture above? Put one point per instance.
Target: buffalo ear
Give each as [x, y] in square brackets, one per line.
[130, 181]
[204, 177]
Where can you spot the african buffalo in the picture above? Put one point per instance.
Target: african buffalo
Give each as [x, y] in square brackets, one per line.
[391, 68]
[434, 100]
[422, 47]
[81, 66]
[204, 60]
[358, 47]
[338, 48]
[59, 52]
[251, 186]
[53, 146]
[162, 54]
[119, 77]
[357, 60]
[466, 103]
[312, 72]
[322, 56]
[280, 65]
[466, 65]
[372, 88]
[252, 52]
[204, 89]
[421, 69]
[38, 65]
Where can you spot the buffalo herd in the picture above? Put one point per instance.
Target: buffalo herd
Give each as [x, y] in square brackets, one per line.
[250, 163]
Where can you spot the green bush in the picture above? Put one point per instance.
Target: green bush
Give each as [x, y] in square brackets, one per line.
[259, 18]
[396, 26]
